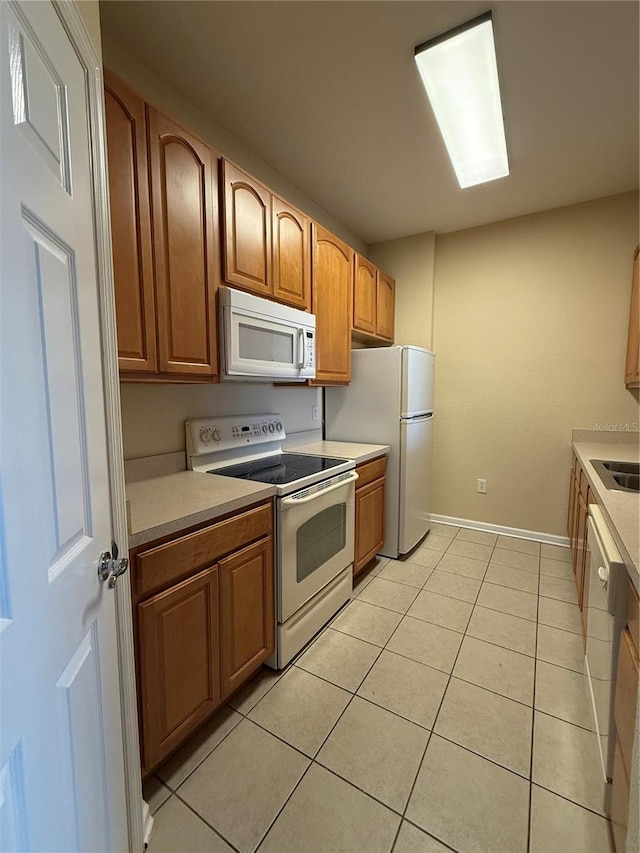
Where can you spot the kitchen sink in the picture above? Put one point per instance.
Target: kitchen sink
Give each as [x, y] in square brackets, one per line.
[618, 476]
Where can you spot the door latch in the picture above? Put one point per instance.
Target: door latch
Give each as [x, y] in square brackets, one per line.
[110, 568]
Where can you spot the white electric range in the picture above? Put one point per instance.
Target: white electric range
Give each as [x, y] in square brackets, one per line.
[314, 517]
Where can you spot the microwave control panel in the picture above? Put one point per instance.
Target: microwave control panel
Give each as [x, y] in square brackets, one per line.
[210, 435]
[309, 351]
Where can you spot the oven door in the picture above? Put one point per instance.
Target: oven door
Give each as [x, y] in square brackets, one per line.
[315, 539]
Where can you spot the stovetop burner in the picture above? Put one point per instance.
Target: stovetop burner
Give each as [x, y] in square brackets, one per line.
[279, 469]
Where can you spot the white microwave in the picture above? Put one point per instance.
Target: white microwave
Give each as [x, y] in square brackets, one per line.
[263, 341]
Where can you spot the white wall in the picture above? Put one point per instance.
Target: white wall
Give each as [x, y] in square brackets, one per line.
[153, 415]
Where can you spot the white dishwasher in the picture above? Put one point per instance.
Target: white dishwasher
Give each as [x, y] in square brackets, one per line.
[606, 597]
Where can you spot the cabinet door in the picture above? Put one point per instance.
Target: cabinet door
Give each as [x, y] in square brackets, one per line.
[130, 227]
[247, 616]
[571, 507]
[178, 641]
[247, 231]
[386, 310]
[183, 181]
[332, 298]
[291, 255]
[632, 371]
[581, 549]
[364, 295]
[369, 523]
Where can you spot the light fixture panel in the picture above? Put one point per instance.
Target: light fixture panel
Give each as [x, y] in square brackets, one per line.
[460, 74]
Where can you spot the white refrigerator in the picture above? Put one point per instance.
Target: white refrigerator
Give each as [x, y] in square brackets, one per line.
[390, 401]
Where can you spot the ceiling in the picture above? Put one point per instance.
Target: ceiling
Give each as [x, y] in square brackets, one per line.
[328, 94]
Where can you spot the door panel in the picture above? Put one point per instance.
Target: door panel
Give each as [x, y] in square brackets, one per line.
[364, 295]
[61, 750]
[386, 307]
[291, 255]
[247, 231]
[415, 481]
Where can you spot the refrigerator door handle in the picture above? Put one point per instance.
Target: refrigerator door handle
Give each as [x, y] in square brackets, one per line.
[415, 419]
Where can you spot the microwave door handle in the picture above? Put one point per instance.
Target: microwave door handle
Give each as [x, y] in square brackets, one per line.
[300, 347]
[286, 503]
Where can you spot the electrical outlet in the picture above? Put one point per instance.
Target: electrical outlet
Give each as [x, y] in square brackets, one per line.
[482, 486]
[314, 413]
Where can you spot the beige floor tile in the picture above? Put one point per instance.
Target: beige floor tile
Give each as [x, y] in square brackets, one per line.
[558, 826]
[513, 578]
[516, 560]
[563, 693]
[301, 709]
[176, 827]
[253, 692]
[326, 815]
[426, 643]
[512, 601]
[501, 670]
[455, 586]
[559, 588]
[434, 542]
[525, 546]
[425, 557]
[556, 568]
[394, 596]
[566, 760]
[462, 548]
[155, 793]
[441, 610]
[559, 614]
[468, 802]
[339, 658]
[367, 622]
[505, 630]
[481, 537]
[367, 740]
[556, 552]
[240, 788]
[560, 647]
[468, 567]
[494, 727]
[447, 530]
[174, 771]
[402, 571]
[406, 687]
[414, 840]
[359, 583]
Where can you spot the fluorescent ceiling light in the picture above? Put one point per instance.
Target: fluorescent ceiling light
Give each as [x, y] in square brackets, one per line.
[460, 74]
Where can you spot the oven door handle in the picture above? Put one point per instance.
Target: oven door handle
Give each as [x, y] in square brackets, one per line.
[289, 502]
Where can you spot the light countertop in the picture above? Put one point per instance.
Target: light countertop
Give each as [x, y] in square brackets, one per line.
[622, 509]
[163, 505]
[343, 450]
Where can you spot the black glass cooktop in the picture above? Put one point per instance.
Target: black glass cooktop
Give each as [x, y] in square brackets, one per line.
[280, 469]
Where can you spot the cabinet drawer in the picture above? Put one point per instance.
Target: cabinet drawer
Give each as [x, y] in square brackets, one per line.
[626, 697]
[370, 471]
[168, 563]
[633, 618]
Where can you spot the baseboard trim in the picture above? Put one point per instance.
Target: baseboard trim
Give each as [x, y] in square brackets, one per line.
[518, 533]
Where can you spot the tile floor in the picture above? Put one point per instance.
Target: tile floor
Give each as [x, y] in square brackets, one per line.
[443, 708]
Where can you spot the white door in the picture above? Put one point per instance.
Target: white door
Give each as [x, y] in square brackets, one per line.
[61, 748]
[415, 480]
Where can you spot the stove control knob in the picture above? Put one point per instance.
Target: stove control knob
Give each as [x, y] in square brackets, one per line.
[279, 426]
[271, 427]
[264, 427]
[205, 435]
[215, 434]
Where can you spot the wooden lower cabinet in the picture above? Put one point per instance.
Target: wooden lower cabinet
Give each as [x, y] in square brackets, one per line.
[632, 367]
[369, 512]
[199, 637]
[246, 613]
[625, 709]
[178, 662]
[580, 496]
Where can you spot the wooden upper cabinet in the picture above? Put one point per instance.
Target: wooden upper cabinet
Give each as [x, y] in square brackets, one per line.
[178, 662]
[184, 199]
[385, 315]
[246, 230]
[291, 255]
[332, 299]
[130, 227]
[632, 371]
[247, 616]
[364, 295]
